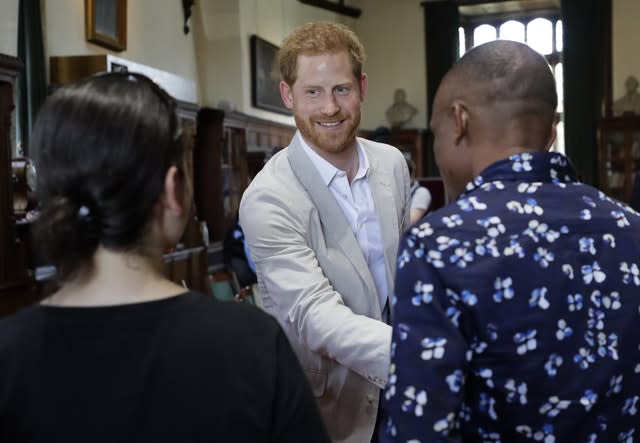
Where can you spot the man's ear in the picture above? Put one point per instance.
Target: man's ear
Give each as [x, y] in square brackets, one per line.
[286, 94]
[173, 194]
[363, 84]
[461, 120]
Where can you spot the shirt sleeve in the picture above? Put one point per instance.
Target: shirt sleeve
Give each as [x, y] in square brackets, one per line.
[296, 416]
[421, 198]
[247, 254]
[424, 391]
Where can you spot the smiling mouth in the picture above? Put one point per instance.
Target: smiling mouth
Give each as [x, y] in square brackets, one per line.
[330, 124]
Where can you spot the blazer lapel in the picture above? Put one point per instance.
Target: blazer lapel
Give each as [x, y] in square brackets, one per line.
[383, 196]
[336, 228]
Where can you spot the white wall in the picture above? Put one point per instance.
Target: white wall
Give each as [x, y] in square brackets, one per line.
[154, 34]
[393, 37]
[222, 41]
[9, 27]
[625, 43]
[216, 53]
[217, 42]
[393, 40]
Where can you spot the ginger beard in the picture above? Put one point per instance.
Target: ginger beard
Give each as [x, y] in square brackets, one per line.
[333, 135]
[326, 99]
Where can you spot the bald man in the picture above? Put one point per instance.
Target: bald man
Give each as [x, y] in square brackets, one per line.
[516, 307]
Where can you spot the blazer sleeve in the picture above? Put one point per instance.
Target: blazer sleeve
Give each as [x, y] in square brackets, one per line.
[299, 295]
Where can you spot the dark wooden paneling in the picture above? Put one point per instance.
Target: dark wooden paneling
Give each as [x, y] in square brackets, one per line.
[409, 141]
[188, 267]
[617, 161]
[17, 289]
[7, 226]
[207, 169]
[230, 149]
[74, 67]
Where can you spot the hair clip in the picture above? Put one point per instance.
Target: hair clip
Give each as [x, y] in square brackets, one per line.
[83, 211]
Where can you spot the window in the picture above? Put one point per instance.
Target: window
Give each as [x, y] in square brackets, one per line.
[513, 30]
[483, 34]
[540, 28]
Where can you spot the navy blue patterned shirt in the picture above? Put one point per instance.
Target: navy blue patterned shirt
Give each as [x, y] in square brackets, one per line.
[517, 314]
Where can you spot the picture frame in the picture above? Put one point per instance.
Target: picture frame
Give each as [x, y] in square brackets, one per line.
[106, 23]
[265, 77]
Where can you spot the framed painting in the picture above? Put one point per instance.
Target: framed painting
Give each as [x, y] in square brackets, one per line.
[265, 77]
[106, 23]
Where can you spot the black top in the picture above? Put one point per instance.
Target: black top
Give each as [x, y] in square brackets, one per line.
[182, 369]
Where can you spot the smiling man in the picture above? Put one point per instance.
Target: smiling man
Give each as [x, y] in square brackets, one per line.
[323, 220]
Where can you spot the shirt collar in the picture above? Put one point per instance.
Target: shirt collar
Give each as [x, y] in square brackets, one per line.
[529, 167]
[327, 170]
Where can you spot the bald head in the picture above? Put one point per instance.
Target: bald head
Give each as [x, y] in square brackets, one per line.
[496, 101]
[504, 72]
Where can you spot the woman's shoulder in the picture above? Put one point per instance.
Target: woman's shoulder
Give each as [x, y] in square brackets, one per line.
[232, 317]
[17, 332]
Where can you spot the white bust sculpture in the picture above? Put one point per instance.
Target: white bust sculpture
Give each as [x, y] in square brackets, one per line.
[630, 103]
[400, 112]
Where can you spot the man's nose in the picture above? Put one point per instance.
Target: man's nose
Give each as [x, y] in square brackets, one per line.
[330, 105]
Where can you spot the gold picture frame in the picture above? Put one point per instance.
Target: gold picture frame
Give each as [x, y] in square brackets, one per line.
[106, 23]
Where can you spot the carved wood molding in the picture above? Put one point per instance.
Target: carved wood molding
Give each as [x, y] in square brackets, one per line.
[13, 273]
[338, 7]
[10, 66]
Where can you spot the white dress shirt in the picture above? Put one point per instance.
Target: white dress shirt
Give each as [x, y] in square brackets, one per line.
[356, 202]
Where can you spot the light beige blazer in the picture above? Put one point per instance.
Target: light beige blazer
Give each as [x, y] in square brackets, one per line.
[313, 278]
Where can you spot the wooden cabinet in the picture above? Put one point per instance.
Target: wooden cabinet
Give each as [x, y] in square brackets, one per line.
[233, 171]
[17, 286]
[410, 141]
[618, 155]
[231, 148]
[220, 171]
[207, 164]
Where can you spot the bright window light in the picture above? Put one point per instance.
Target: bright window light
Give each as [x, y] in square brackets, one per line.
[484, 34]
[539, 35]
[512, 30]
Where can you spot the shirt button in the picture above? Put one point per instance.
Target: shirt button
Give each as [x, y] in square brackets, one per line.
[370, 399]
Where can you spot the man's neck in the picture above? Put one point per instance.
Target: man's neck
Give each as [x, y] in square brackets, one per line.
[346, 160]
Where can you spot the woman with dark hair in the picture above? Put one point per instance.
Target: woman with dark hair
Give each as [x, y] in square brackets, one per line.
[119, 352]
